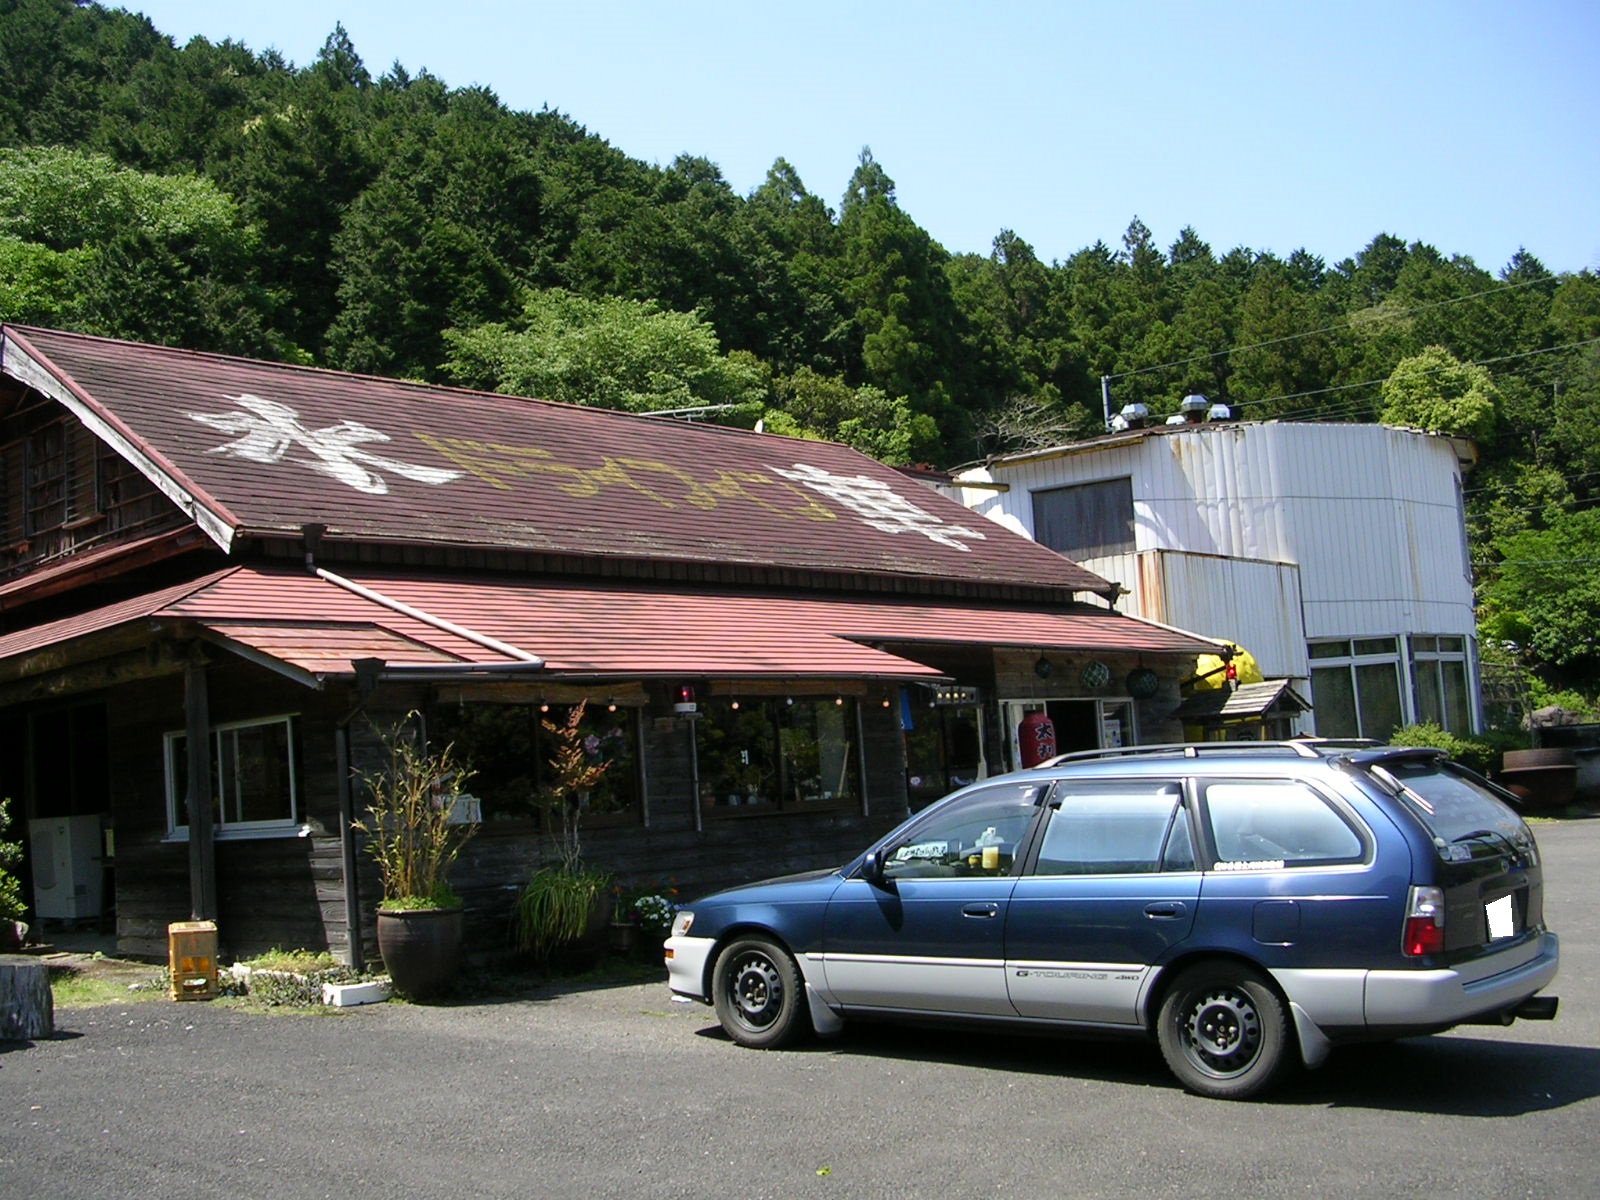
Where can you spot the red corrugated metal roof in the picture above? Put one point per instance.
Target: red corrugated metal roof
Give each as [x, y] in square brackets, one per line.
[65, 629]
[319, 627]
[254, 447]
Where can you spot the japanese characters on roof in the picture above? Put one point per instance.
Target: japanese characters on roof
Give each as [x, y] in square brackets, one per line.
[263, 449]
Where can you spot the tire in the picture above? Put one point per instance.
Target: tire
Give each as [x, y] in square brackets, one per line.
[758, 994]
[1224, 1032]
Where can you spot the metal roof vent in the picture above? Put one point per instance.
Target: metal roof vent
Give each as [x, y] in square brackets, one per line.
[1135, 416]
[1193, 408]
[1219, 412]
[1177, 419]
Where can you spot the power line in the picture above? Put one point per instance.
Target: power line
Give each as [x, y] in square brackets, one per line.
[1477, 362]
[1364, 316]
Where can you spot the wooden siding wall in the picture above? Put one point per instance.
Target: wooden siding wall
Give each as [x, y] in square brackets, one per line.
[669, 852]
[78, 497]
[271, 891]
[289, 892]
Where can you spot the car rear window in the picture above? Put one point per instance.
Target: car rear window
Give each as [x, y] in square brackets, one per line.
[1454, 807]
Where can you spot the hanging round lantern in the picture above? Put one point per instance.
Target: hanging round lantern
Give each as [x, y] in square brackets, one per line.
[1142, 683]
[1095, 675]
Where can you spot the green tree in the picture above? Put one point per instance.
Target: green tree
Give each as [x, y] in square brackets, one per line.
[1543, 595]
[442, 238]
[905, 316]
[608, 353]
[811, 405]
[1435, 392]
[117, 252]
[304, 156]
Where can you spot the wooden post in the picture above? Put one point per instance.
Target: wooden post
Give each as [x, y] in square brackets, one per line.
[202, 839]
[27, 1010]
[347, 847]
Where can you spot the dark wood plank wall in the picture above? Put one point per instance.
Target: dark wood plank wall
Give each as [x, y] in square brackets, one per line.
[284, 892]
[289, 892]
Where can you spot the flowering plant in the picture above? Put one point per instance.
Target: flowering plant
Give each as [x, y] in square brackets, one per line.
[653, 911]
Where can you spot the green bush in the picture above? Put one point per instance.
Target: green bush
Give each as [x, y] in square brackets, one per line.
[11, 906]
[1480, 754]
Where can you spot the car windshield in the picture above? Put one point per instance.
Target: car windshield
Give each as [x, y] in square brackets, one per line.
[1457, 810]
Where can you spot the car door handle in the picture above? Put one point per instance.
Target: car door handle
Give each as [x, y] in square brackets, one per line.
[980, 910]
[1166, 908]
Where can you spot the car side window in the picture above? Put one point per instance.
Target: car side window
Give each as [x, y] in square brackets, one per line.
[976, 835]
[1116, 828]
[1272, 822]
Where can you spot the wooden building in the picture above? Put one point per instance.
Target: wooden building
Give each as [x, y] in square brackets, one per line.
[231, 576]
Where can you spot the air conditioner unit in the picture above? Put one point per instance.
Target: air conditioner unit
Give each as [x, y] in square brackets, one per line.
[66, 856]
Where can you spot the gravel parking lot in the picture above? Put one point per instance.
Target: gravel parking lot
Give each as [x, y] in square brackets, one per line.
[618, 1092]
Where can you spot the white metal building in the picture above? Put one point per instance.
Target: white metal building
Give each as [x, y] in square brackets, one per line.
[1336, 554]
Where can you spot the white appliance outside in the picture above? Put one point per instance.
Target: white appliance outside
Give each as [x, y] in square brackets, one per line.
[66, 855]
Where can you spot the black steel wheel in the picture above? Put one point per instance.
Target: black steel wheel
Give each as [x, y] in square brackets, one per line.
[1224, 1032]
[757, 991]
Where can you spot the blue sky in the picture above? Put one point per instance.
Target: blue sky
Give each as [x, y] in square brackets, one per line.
[1471, 125]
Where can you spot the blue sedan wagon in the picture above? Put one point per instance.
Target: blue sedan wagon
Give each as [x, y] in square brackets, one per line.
[1246, 904]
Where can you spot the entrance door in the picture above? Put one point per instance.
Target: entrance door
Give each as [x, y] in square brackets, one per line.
[1079, 724]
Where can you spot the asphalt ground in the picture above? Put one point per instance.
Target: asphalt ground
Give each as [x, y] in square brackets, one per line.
[618, 1092]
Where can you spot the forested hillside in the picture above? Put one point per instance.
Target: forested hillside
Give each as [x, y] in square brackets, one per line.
[218, 198]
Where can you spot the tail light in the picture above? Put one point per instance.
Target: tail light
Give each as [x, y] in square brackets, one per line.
[1424, 922]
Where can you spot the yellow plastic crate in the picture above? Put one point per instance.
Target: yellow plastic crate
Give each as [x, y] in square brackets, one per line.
[192, 959]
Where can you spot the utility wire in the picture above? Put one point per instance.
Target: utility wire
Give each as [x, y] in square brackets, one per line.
[1477, 362]
[1365, 316]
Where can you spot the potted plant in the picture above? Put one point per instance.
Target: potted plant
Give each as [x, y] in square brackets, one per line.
[567, 902]
[12, 929]
[414, 837]
[652, 913]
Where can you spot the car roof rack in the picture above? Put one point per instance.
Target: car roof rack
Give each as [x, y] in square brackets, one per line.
[1298, 747]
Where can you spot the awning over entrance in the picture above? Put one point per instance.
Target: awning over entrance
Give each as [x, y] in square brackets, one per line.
[317, 625]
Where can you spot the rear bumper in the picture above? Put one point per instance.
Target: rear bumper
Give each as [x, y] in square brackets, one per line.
[1451, 997]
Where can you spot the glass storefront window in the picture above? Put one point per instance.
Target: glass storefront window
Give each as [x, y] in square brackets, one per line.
[1357, 685]
[1443, 697]
[769, 754]
[942, 752]
[1333, 696]
[509, 749]
[1378, 685]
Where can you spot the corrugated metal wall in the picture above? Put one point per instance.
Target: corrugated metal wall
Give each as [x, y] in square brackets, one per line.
[1367, 516]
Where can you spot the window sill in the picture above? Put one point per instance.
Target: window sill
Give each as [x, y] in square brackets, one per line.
[746, 812]
[244, 835]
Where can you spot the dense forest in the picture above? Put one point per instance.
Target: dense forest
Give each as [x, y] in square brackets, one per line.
[216, 198]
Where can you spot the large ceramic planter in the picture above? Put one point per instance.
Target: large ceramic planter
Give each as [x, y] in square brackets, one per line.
[1545, 778]
[421, 949]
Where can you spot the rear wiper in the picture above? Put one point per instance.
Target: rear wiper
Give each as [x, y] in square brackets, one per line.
[1479, 834]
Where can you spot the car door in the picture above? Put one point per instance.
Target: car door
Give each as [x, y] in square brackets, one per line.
[1111, 890]
[929, 936]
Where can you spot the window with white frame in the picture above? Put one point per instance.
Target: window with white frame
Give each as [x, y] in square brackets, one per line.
[1355, 687]
[1439, 666]
[254, 779]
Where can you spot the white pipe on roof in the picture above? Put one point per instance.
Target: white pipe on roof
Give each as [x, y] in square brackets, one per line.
[427, 618]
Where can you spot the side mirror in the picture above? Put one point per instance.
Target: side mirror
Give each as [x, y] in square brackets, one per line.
[872, 868]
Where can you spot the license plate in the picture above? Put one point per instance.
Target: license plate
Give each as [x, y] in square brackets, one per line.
[1502, 918]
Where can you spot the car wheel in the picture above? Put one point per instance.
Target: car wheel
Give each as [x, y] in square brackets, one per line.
[1224, 1032]
[756, 989]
